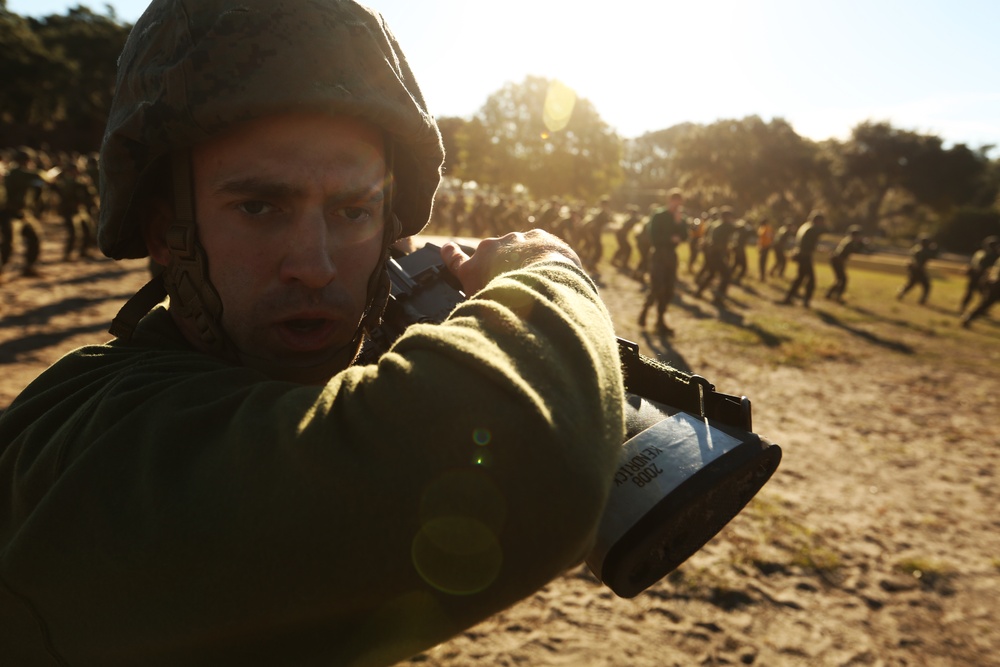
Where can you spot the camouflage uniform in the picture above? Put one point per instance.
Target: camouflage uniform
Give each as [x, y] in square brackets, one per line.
[624, 251]
[979, 266]
[19, 182]
[548, 216]
[783, 239]
[75, 196]
[696, 234]
[591, 232]
[848, 245]
[806, 241]
[988, 295]
[921, 253]
[765, 241]
[738, 250]
[717, 241]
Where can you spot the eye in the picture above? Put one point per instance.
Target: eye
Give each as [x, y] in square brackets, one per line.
[255, 207]
[355, 213]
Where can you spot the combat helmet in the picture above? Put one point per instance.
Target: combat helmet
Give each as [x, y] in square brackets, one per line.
[192, 68]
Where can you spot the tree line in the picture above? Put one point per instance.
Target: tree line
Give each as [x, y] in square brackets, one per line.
[538, 136]
[889, 181]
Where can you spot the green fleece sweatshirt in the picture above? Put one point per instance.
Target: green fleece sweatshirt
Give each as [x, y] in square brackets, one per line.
[163, 507]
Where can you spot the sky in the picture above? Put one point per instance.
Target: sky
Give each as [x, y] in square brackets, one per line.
[822, 65]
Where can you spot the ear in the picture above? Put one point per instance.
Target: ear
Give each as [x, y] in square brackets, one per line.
[155, 233]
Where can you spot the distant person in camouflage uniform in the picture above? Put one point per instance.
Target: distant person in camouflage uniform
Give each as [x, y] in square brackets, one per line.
[989, 294]
[922, 252]
[590, 245]
[696, 235]
[666, 228]
[783, 240]
[644, 247]
[93, 175]
[738, 250]
[765, 241]
[75, 195]
[548, 215]
[623, 235]
[806, 241]
[979, 265]
[20, 182]
[850, 244]
[716, 247]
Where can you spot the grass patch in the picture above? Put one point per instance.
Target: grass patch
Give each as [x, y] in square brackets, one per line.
[803, 353]
[930, 572]
[871, 327]
[771, 540]
[775, 340]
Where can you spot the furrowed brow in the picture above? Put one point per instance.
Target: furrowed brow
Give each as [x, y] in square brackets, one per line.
[257, 187]
[373, 195]
[266, 189]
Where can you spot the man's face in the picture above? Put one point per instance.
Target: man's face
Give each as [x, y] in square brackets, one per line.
[290, 212]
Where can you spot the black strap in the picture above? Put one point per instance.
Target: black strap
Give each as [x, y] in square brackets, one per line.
[659, 382]
[143, 301]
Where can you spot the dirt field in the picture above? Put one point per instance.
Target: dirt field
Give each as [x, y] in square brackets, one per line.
[875, 543]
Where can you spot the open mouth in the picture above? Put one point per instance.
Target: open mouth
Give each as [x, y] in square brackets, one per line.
[307, 334]
[306, 326]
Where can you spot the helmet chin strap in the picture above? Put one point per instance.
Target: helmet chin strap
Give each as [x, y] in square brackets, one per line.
[185, 279]
[195, 299]
[192, 294]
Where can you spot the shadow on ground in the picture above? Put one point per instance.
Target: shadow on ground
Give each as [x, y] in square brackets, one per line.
[874, 339]
[663, 350]
[43, 314]
[26, 344]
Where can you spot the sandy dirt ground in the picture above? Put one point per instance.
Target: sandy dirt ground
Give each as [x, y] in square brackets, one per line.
[877, 542]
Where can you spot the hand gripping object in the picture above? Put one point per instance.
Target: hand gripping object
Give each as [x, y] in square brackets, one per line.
[689, 464]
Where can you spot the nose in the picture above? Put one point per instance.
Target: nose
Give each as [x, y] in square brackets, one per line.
[308, 257]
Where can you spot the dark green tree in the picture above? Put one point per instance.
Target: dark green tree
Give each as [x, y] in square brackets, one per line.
[649, 161]
[905, 181]
[966, 228]
[541, 135]
[452, 129]
[90, 43]
[748, 163]
[58, 75]
[31, 74]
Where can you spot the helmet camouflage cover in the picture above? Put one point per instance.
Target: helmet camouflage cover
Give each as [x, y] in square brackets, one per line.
[191, 68]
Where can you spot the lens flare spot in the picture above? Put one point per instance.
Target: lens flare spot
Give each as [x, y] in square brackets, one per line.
[559, 102]
[482, 436]
[482, 457]
[457, 555]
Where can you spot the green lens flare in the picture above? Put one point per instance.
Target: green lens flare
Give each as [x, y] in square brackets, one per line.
[457, 555]
[481, 436]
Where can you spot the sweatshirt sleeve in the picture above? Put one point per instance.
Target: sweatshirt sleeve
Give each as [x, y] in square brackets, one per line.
[200, 514]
